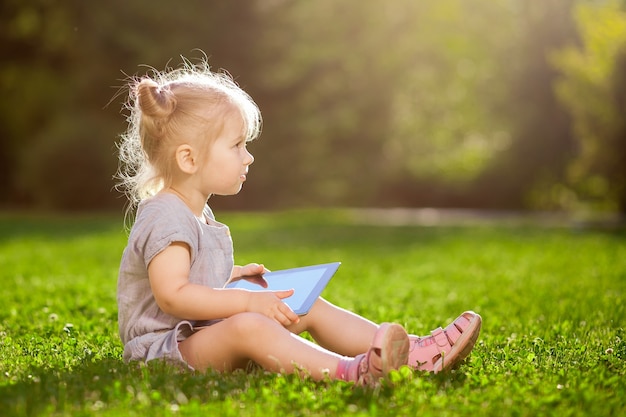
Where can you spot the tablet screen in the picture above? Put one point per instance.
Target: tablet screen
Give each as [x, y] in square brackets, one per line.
[308, 283]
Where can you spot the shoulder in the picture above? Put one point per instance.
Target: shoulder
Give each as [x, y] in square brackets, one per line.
[163, 203]
[161, 220]
[165, 211]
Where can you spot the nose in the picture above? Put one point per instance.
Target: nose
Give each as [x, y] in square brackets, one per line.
[249, 158]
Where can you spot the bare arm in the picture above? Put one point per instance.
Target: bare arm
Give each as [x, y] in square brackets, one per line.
[175, 295]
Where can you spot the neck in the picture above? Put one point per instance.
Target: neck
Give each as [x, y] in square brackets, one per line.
[194, 201]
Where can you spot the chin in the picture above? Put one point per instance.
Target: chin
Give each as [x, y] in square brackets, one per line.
[227, 193]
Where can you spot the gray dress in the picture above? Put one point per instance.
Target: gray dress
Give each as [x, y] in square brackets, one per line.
[146, 331]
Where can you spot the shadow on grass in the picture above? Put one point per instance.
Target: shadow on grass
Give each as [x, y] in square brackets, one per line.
[104, 384]
[111, 384]
[48, 390]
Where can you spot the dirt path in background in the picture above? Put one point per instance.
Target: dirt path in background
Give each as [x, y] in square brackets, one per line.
[466, 217]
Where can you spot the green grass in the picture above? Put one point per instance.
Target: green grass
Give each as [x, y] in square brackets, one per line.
[553, 340]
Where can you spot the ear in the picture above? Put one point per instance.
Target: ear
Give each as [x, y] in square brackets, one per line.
[186, 158]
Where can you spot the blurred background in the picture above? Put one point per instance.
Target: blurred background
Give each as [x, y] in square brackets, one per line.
[488, 104]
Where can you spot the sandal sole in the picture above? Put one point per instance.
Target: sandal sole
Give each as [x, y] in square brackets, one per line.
[393, 342]
[462, 348]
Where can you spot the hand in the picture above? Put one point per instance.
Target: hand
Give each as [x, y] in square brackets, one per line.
[251, 272]
[270, 304]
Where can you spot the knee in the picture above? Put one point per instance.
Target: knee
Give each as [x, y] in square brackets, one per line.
[250, 324]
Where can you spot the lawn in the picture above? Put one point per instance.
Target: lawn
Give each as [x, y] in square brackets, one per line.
[552, 299]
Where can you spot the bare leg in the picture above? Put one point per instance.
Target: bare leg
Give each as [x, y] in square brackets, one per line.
[337, 329]
[235, 341]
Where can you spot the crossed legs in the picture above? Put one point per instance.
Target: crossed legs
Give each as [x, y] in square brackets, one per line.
[245, 337]
[342, 337]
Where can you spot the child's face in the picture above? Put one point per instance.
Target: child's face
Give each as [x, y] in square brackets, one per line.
[225, 168]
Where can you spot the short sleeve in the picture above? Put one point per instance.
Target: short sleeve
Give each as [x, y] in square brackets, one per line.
[160, 224]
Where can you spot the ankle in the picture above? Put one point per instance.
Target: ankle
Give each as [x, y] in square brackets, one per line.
[348, 369]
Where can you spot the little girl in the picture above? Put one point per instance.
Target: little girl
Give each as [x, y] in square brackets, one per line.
[186, 140]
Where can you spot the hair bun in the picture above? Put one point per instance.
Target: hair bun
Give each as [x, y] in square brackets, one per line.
[155, 101]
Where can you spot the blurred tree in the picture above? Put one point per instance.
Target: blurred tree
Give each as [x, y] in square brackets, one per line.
[33, 39]
[325, 93]
[449, 83]
[593, 87]
[541, 142]
[389, 93]
[441, 102]
[59, 63]
[448, 125]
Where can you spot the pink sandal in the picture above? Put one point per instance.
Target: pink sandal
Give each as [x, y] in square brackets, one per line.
[445, 348]
[389, 350]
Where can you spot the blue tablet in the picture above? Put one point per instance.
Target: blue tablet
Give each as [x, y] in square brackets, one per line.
[307, 281]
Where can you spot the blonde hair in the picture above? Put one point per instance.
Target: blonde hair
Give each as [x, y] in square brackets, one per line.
[183, 105]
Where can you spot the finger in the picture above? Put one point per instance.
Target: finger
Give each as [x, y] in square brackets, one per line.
[258, 269]
[256, 279]
[262, 281]
[289, 314]
[250, 269]
[284, 293]
[282, 320]
[286, 319]
[293, 318]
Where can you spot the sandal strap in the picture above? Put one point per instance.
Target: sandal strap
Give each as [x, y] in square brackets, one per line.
[426, 351]
[440, 337]
[452, 332]
[446, 338]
